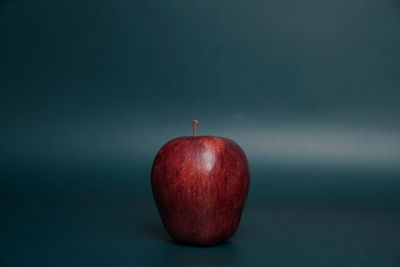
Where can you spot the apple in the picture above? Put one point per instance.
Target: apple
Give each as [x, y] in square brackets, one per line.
[200, 185]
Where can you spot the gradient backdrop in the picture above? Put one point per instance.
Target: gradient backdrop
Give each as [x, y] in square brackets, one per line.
[90, 90]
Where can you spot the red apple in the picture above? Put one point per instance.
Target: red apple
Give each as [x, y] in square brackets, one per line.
[200, 185]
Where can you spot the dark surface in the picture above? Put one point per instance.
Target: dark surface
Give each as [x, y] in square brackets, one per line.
[90, 90]
[350, 224]
[107, 231]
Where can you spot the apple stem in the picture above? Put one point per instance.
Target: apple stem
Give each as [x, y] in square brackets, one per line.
[195, 122]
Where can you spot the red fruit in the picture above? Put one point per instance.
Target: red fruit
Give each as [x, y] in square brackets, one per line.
[200, 185]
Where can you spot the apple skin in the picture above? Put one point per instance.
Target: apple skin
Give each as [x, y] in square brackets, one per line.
[200, 185]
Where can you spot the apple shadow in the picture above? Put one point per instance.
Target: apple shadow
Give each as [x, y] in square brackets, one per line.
[156, 231]
[5, 4]
[179, 244]
[222, 254]
[397, 7]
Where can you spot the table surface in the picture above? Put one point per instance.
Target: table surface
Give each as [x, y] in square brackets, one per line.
[96, 227]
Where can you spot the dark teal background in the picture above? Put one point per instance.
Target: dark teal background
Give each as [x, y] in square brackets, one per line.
[90, 90]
